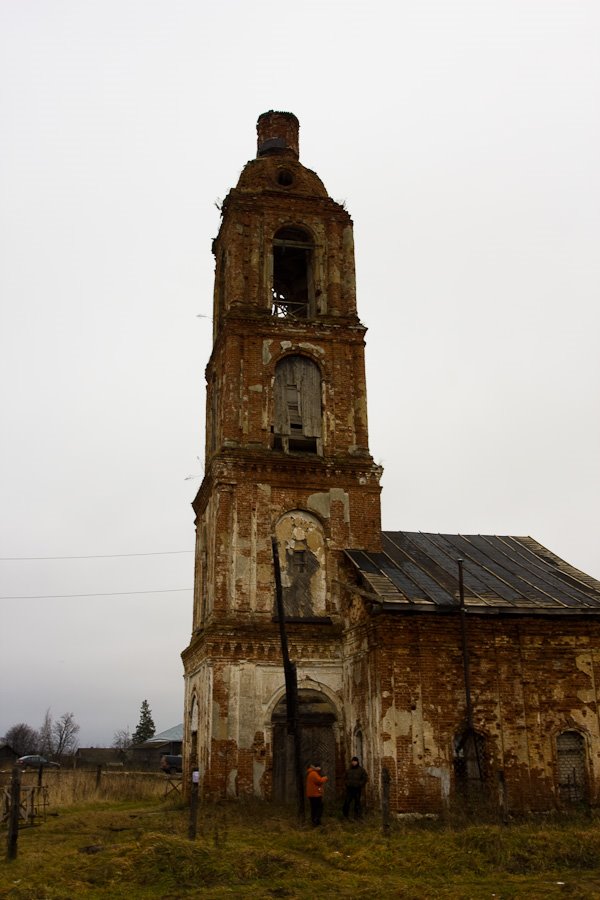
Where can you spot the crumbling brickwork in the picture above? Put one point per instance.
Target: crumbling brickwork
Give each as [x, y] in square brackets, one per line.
[532, 679]
[287, 458]
[286, 455]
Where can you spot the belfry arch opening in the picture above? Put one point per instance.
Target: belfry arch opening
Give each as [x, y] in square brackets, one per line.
[318, 721]
[292, 287]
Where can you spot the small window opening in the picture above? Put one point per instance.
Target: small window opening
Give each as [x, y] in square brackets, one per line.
[285, 178]
[292, 274]
[299, 562]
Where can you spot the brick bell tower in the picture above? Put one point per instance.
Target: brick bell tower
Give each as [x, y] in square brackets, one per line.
[287, 455]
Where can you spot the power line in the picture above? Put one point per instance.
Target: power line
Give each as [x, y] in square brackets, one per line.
[112, 594]
[94, 556]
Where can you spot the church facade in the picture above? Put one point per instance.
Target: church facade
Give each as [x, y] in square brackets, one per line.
[490, 688]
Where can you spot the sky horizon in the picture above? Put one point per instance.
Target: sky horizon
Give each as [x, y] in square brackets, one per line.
[463, 138]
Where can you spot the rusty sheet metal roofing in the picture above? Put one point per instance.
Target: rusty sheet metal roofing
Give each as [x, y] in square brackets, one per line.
[418, 572]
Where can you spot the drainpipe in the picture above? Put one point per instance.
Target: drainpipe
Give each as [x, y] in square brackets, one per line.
[465, 645]
[466, 666]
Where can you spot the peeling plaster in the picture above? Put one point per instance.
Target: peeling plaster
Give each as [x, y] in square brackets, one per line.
[312, 347]
[266, 352]
[258, 771]
[396, 723]
[232, 783]
[444, 777]
[320, 503]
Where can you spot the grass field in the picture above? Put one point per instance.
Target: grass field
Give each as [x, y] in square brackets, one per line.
[138, 848]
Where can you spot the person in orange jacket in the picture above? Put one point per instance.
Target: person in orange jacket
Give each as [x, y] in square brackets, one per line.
[314, 792]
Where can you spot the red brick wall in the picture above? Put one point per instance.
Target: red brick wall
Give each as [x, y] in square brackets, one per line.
[531, 678]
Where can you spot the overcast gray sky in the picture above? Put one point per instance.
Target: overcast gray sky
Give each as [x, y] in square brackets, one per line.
[464, 138]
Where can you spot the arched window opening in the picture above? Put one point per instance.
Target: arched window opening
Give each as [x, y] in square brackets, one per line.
[469, 763]
[292, 287]
[297, 423]
[570, 750]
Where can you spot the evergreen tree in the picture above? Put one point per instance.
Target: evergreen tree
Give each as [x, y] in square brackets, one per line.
[145, 727]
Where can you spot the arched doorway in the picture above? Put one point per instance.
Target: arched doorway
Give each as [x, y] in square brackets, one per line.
[317, 721]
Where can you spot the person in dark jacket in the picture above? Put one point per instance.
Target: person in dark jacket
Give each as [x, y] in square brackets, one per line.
[356, 778]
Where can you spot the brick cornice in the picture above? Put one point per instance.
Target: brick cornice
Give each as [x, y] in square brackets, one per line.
[313, 473]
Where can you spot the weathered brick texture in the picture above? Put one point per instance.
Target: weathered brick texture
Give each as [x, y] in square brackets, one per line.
[392, 687]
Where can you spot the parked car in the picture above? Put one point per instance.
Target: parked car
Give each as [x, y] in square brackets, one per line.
[170, 764]
[35, 762]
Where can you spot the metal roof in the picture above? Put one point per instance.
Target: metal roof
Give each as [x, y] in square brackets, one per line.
[171, 734]
[418, 572]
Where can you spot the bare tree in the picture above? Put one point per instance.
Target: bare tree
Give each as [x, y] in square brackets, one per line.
[122, 739]
[46, 737]
[64, 732]
[23, 739]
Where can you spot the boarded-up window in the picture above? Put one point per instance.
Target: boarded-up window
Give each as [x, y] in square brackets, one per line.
[570, 747]
[297, 406]
[292, 286]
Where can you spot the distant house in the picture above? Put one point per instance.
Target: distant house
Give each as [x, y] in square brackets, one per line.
[99, 756]
[8, 755]
[148, 754]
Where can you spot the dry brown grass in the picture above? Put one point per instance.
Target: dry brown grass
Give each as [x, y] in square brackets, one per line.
[100, 848]
[73, 787]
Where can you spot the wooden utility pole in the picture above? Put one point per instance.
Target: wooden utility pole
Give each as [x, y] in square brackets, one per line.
[13, 816]
[291, 686]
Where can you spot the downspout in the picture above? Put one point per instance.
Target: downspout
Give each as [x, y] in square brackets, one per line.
[466, 667]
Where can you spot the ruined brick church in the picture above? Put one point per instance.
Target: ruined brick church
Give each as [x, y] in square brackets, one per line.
[494, 685]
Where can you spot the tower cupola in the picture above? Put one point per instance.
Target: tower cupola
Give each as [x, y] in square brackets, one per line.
[277, 134]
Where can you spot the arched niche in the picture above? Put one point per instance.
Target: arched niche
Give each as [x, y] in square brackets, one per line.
[301, 545]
